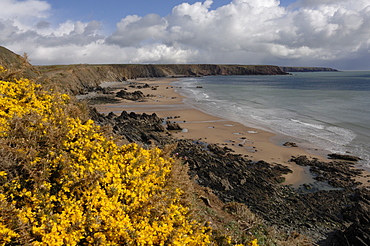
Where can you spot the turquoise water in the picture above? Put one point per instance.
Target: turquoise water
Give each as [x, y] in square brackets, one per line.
[330, 110]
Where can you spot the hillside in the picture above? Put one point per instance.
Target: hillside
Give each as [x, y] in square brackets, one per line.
[17, 65]
[79, 78]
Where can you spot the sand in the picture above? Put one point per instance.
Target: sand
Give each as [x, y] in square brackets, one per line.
[253, 143]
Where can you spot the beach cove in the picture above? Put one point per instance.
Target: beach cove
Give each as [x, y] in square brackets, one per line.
[252, 143]
[308, 193]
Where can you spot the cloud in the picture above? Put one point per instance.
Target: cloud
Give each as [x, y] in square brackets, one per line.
[309, 32]
[136, 31]
[28, 9]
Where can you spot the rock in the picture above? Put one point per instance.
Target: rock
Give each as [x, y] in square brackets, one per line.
[103, 90]
[329, 217]
[133, 96]
[290, 144]
[206, 201]
[359, 215]
[143, 86]
[344, 157]
[139, 128]
[337, 174]
[173, 126]
[301, 160]
[214, 148]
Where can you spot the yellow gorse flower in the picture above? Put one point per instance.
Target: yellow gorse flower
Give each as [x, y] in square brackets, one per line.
[85, 190]
[254, 243]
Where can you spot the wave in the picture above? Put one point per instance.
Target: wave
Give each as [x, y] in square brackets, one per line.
[284, 112]
[317, 126]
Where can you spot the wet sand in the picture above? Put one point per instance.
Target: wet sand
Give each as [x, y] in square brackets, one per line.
[250, 142]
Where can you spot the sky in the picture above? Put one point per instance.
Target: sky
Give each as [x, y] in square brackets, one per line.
[327, 33]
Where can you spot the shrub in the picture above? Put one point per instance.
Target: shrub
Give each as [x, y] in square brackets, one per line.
[63, 182]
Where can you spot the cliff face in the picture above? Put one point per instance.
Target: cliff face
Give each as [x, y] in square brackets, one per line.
[78, 78]
[308, 69]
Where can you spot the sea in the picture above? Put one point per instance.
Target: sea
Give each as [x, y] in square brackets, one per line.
[328, 111]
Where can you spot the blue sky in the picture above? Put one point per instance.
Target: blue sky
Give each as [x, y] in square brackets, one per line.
[332, 33]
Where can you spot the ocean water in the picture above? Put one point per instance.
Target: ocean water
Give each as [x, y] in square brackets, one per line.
[329, 110]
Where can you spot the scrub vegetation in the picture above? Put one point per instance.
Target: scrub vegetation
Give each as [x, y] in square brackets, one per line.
[64, 181]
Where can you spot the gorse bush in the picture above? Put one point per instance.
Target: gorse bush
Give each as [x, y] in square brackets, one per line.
[63, 182]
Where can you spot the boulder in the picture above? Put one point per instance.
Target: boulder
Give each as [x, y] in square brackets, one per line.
[290, 144]
[133, 96]
[173, 126]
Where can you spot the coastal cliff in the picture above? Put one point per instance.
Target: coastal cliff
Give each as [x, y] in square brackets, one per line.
[79, 78]
[308, 69]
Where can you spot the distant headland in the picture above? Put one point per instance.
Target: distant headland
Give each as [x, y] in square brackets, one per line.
[307, 69]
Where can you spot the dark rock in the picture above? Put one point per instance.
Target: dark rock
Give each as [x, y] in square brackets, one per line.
[103, 90]
[139, 128]
[173, 126]
[214, 148]
[337, 174]
[143, 86]
[301, 160]
[344, 157]
[359, 215]
[133, 96]
[329, 217]
[206, 201]
[290, 144]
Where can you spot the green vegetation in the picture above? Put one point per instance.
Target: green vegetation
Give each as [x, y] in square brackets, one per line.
[65, 181]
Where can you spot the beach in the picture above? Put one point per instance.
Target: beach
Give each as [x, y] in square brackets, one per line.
[255, 144]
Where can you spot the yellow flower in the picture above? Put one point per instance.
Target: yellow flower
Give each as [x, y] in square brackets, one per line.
[85, 188]
[253, 243]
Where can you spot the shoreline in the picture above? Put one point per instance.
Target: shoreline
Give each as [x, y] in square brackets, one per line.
[255, 144]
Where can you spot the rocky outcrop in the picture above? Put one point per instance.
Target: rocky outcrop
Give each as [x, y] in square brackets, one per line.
[132, 96]
[338, 216]
[359, 215]
[135, 128]
[336, 173]
[173, 126]
[344, 157]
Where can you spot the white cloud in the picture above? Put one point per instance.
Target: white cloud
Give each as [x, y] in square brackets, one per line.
[134, 30]
[28, 9]
[243, 31]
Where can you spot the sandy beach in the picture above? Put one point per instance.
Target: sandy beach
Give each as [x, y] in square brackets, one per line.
[253, 143]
